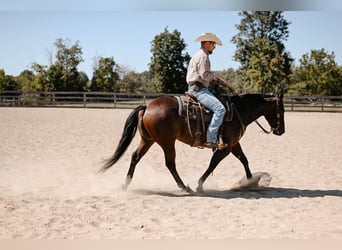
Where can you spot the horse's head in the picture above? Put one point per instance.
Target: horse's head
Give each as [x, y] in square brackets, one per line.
[275, 114]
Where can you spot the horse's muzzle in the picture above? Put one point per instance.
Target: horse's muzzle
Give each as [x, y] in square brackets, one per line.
[278, 131]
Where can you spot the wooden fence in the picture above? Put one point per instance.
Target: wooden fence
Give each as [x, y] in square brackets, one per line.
[126, 100]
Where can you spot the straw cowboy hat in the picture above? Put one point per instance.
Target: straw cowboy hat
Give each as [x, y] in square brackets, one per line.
[211, 37]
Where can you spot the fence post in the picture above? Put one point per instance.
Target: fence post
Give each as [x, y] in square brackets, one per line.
[114, 100]
[53, 98]
[84, 99]
[322, 103]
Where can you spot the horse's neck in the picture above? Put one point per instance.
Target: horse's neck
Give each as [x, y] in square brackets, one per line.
[248, 112]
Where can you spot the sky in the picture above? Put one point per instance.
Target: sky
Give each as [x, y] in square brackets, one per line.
[125, 30]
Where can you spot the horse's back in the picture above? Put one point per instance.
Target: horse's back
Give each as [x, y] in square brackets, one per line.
[162, 107]
[161, 117]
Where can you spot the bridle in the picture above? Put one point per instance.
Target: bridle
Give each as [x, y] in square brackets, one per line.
[277, 115]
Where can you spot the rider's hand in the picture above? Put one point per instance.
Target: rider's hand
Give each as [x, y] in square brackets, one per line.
[224, 84]
[221, 81]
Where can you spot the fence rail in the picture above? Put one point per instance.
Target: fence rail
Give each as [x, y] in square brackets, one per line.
[126, 100]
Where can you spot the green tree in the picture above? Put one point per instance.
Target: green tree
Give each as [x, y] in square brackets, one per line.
[41, 78]
[68, 58]
[62, 75]
[168, 62]
[147, 82]
[26, 80]
[7, 82]
[105, 75]
[55, 78]
[131, 81]
[268, 69]
[318, 74]
[233, 78]
[260, 49]
[83, 79]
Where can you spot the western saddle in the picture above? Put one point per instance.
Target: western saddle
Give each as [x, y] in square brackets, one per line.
[192, 110]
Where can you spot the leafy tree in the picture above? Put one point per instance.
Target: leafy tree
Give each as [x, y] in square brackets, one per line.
[26, 80]
[168, 62]
[234, 80]
[260, 49]
[105, 75]
[268, 68]
[41, 79]
[131, 81]
[68, 58]
[62, 75]
[83, 79]
[148, 83]
[318, 74]
[7, 82]
[55, 77]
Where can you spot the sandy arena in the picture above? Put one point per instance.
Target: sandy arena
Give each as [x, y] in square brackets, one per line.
[50, 188]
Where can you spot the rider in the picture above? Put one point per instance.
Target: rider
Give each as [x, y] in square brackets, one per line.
[199, 77]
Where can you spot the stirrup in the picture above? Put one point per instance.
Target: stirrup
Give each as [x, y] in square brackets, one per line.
[221, 146]
[210, 144]
[215, 145]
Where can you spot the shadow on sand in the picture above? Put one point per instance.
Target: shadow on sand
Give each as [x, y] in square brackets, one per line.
[266, 193]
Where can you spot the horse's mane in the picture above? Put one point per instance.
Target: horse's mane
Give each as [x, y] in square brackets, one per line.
[249, 98]
[245, 102]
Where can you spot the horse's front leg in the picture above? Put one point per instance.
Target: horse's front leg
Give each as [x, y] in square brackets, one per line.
[215, 160]
[238, 153]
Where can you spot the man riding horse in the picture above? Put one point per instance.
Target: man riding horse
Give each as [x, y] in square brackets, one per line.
[199, 77]
[160, 121]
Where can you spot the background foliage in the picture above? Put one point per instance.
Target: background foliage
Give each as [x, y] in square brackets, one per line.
[265, 65]
[168, 62]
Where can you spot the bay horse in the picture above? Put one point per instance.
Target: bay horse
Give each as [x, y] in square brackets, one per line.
[159, 122]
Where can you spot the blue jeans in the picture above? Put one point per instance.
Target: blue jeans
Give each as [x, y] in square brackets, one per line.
[211, 102]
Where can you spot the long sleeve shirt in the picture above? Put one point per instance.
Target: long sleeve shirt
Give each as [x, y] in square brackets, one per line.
[199, 69]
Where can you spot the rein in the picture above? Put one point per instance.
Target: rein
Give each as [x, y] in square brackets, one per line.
[262, 128]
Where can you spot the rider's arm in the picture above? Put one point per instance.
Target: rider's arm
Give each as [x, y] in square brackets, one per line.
[221, 81]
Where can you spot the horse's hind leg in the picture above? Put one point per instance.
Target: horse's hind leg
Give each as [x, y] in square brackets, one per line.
[238, 153]
[143, 147]
[170, 156]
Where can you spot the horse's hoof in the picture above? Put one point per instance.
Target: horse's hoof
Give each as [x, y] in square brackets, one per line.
[124, 187]
[188, 190]
[258, 181]
[199, 189]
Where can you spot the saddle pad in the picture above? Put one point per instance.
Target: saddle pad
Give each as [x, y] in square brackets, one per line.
[188, 105]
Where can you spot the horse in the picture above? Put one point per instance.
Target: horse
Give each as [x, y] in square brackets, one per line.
[160, 122]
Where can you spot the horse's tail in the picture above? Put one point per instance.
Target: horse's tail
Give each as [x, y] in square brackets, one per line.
[128, 134]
